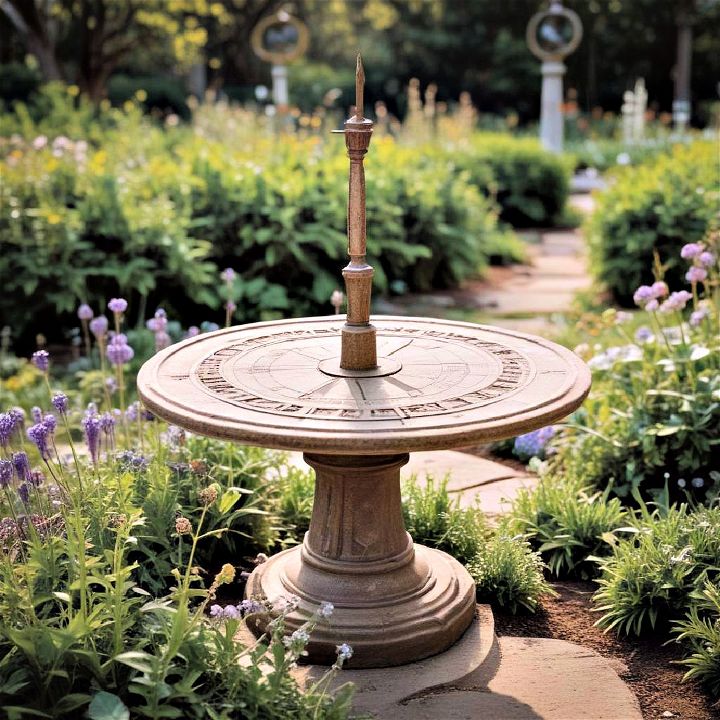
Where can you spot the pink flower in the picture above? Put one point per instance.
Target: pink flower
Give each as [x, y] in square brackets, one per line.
[696, 274]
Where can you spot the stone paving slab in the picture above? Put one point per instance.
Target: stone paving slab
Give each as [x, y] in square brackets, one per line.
[535, 679]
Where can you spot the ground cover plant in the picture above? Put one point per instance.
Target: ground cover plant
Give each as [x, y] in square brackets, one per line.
[114, 535]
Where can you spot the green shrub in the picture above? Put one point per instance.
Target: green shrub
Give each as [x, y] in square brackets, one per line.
[655, 207]
[434, 518]
[17, 81]
[699, 631]
[567, 523]
[648, 579]
[508, 573]
[153, 215]
[530, 184]
[165, 94]
[296, 490]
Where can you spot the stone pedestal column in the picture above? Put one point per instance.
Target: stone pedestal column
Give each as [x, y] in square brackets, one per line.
[551, 116]
[280, 85]
[395, 602]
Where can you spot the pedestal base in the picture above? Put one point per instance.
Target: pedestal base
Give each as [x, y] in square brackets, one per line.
[383, 627]
[395, 602]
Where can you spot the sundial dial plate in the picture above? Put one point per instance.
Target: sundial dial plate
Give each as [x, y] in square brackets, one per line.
[441, 384]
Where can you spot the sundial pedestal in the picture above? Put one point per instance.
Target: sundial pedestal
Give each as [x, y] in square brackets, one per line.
[395, 602]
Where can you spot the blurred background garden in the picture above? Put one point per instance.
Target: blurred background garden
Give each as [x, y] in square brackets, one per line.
[156, 183]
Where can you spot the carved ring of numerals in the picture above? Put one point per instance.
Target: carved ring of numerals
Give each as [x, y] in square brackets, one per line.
[441, 372]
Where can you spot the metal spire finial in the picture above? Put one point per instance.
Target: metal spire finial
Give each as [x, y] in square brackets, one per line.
[359, 87]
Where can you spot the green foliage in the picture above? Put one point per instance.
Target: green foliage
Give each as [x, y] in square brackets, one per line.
[296, 489]
[700, 632]
[153, 215]
[434, 518]
[655, 207]
[530, 184]
[648, 580]
[168, 95]
[566, 523]
[507, 572]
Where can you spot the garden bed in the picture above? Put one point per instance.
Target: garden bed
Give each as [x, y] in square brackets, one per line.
[648, 668]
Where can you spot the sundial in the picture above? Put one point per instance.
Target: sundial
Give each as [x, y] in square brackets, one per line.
[356, 397]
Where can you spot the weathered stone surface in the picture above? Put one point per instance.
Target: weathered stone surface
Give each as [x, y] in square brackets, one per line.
[535, 679]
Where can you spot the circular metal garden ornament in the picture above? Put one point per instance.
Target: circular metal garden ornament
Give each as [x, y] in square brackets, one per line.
[356, 397]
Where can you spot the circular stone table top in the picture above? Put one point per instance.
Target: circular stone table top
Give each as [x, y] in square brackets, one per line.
[440, 385]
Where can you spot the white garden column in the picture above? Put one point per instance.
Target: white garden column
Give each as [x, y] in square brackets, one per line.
[280, 85]
[551, 111]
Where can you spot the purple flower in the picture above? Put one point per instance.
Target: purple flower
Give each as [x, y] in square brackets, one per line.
[344, 652]
[38, 435]
[107, 423]
[84, 312]
[326, 609]
[22, 466]
[642, 295]
[660, 289]
[118, 351]
[698, 316]
[91, 428]
[533, 444]
[159, 322]
[230, 306]
[216, 611]
[111, 384]
[644, 334]
[697, 482]
[132, 413]
[6, 473]
[117, 305]
[7, 426]
[193, 331]
[99, 326]
[18, 415]
[227, 275]
[250, 606]
[36, 478]
[707, 259]
[652, 305]
[41, 360]
[691, 250]
[50, 422]
[696, 274]
[36, 414]
[60, 402]
[676, 301]
[24, 493]
[162, 340]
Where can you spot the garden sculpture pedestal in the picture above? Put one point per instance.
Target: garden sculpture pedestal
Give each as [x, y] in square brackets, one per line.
[438, 385]
[356, 397]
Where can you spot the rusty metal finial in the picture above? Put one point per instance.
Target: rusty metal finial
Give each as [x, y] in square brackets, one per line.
[359, 347]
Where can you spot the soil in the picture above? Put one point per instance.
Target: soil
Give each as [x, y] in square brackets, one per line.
[645, 664]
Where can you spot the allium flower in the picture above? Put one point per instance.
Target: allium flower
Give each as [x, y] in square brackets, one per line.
[697, 482]
[698, 316]
[38, 435]
[676, 301]
[91, 428]
[691, 250]
[158, 323]
[660, 289]
[118, 351]
[22, 466]
[681, 483]
[117, 305]
[41, 360]
[84, 312]
[344, 652]
[533, 444]
[6, 473]
[183, 526]
[99, 326]
[326, 609]
[7, 426]
[652, 305]
[337, 299]
[707, 258]
[111, 384]
[60, 402]
[193, 331]
[644, 334]
[227, 275]
[696, 274]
